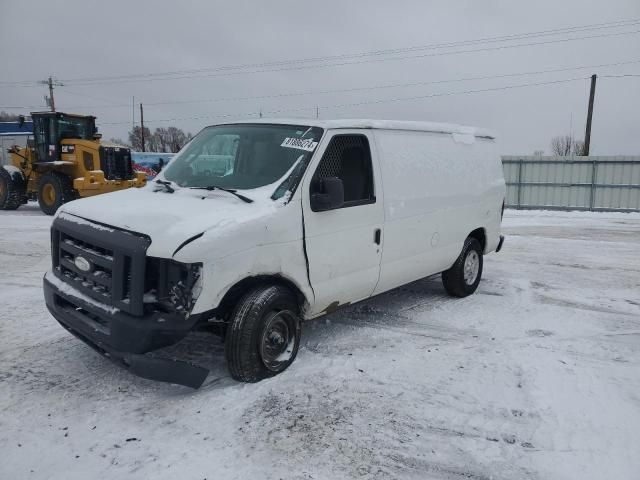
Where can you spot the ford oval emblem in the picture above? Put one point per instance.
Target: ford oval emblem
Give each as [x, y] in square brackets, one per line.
[82, 263]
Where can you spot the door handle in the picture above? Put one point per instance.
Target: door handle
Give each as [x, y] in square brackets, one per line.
[377, 235]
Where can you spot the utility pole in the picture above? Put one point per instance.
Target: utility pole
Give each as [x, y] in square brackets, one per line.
[51, 83]
[142, 126]
[52, 101]
[587, 135]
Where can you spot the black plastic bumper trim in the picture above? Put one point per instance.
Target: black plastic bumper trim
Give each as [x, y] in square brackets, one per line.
[159, 369]
[140, 364]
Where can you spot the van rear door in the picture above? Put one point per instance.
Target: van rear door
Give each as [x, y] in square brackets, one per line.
[344, 244]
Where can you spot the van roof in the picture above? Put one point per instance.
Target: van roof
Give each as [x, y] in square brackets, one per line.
[433, 127]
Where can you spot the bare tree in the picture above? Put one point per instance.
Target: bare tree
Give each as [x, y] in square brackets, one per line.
[135, 139]
[161, 140]
[566, 145]
[154, 143]
[169, 140]
[561, 146]
[119, 141]
[176, 139]
[578, 148]
[8, 117]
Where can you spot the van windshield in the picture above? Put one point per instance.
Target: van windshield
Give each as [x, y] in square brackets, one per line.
[244, 156]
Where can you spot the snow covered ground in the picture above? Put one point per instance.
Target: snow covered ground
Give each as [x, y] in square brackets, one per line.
[537, 376]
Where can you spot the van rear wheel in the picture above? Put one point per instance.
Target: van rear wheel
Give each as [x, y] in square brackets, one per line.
[263, 336]
[463, 277]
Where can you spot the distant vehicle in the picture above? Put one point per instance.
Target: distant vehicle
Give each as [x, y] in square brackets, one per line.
[254, 227]
[65, 160]
[150, 163]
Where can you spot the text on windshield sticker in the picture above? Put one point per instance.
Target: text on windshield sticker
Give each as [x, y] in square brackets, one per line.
[307, 144]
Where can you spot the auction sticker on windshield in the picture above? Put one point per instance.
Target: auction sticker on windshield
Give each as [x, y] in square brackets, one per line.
[307, 144]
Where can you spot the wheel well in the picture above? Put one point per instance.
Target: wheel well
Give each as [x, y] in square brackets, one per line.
[239, 289]
[480, 235]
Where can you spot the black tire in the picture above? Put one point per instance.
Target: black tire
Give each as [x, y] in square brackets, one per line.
[255, 334]
[454, 280]
[12, 189]
[54, 190]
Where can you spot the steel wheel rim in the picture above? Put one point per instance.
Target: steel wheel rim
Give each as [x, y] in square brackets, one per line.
[49, 194]
[471, 267]
[278, 340]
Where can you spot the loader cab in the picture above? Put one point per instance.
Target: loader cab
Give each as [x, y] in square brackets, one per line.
[49, 128]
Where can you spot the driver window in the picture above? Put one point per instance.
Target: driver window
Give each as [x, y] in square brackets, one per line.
[348, 157]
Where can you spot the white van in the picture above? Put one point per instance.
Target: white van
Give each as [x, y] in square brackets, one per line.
[298, 218]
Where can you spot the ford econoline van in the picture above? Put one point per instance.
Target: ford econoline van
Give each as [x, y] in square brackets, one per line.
[256, 226]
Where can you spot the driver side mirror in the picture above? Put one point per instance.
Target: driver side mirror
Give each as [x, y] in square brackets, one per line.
[330, 195]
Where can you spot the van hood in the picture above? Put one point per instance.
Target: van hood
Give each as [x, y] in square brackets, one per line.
[169, 219]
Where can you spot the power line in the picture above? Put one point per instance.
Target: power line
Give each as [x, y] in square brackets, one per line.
[396, 85]
[357, 89]
[353, 89]
[298, 64]
[621, 76]
[360, 62]
[366, 102]
[93, 97]
[598, 26]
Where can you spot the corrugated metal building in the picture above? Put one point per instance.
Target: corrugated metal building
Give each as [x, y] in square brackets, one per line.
[11, 133]
[595, 183]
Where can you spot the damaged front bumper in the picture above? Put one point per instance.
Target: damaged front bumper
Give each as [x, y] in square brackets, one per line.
[125, 339]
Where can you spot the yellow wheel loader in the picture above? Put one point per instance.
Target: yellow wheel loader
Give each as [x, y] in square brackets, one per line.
[64, 161]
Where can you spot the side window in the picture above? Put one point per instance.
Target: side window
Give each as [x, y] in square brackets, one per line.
[348, 157]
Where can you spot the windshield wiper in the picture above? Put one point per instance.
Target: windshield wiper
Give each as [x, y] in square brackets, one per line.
[229, 190]
[166, 185]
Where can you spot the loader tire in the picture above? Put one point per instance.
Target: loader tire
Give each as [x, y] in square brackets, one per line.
[263, 336]
[54, 189]
[463, 277]
[12, 189]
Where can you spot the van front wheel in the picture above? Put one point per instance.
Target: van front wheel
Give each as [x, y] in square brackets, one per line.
[463, 277]
[263, 336]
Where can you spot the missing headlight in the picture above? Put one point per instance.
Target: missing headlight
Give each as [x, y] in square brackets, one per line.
[171, 286]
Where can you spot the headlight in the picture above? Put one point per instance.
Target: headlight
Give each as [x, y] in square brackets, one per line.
[171, 286]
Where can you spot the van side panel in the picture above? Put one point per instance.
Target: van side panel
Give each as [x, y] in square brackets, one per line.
[437, 189]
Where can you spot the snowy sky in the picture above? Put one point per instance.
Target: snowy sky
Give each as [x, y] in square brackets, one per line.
[92, 38]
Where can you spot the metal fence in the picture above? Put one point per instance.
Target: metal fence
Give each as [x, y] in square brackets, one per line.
[573, 183]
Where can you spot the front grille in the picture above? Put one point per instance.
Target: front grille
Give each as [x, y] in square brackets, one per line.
[100, 278]
[116, 261]
[116, 163]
